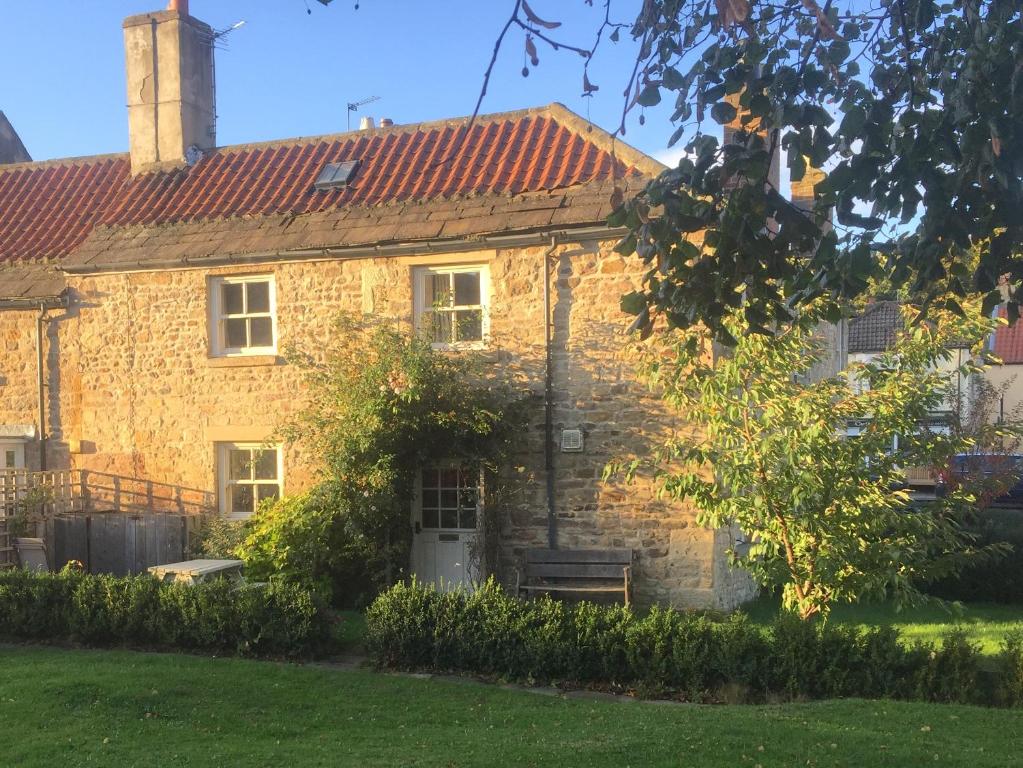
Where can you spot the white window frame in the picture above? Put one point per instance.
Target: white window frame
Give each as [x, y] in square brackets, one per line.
[418, 506]
[224, 481]
[218, 337]
[420, 308]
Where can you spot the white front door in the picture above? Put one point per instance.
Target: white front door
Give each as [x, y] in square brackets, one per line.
[446, 539]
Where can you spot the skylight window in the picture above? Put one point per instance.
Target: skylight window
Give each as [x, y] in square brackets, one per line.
[336, 175]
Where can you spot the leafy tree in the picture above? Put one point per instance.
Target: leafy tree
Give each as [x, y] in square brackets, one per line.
[382, 404]
[829, 516]
[909, 111]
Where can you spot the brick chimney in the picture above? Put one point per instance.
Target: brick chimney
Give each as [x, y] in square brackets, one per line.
[736, 126]
[169, 67]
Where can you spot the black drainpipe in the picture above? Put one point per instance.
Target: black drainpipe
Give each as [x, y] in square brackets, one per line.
[40, 380]
[548, 396]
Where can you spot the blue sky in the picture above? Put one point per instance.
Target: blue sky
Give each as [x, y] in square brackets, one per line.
[290, 73]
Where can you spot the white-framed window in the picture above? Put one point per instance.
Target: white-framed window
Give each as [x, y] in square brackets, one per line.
[450, 304]
[248, 473]
[243, 315]
[449, 498]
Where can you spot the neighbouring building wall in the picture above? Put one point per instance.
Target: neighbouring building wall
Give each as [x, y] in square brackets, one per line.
[1007, 379]
[139, 396]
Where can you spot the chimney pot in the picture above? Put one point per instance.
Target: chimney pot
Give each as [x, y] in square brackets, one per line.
[386, 122]
[365, 123]
[181, 6]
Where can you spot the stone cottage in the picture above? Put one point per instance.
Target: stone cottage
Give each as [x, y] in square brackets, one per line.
[146, 298]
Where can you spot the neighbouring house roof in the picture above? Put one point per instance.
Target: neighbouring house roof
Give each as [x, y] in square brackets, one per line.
[1007, 343]
[11, 148]
[876, 328]
[507, 172]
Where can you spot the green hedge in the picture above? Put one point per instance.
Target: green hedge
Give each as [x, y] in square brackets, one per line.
[998, 580]
[667, 652]
[271, 620]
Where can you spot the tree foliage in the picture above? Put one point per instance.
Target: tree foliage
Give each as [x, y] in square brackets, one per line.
[829, 517]
[381, 404]
[911, 112]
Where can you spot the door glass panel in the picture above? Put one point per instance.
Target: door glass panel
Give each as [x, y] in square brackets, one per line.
[449, 518]
[449, 498]
[449, 479]
[431, 498]
[467, 517]
[429, 518]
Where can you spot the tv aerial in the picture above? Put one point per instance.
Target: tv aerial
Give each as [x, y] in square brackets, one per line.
[353, 106]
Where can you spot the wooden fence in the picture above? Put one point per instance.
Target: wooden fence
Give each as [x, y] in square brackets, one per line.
[31, 502]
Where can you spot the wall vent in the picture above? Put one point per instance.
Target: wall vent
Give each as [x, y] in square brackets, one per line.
[571, 441]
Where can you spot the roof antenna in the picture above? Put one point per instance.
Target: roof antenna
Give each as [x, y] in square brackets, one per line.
[353, 106]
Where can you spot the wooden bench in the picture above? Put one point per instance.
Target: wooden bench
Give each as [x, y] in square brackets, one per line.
[579, 570]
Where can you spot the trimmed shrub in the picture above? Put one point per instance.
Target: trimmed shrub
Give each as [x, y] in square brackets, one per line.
[1011, 687]
[276, 619]
[949, 673]
[667, 652]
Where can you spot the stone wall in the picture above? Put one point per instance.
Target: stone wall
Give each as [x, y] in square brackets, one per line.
[136, 394]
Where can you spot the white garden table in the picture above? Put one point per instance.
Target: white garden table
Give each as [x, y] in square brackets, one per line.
[198, 571]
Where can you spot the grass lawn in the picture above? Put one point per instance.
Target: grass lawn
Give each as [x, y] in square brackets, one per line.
[985, 624]
[118, 708]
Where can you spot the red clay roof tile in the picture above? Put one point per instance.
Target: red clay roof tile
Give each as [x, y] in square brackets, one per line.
[1008, 342]
[47, 209]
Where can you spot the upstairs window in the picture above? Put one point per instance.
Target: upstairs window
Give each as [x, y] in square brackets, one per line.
[451, 305]
[243, 315]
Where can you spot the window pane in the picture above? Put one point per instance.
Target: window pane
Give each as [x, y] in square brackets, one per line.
[449, 479]
[241, 464]
[467, 498]
[430, 498]
[232, 293]
[241, 499]
[234, 332]
[440, 323]
[259, 297]
[261, 332]
[268, 491]
[467, 288]
[467, 517]
[266, 464]
[429, 518]
[438, 290]
[9, 459]
[430, 477]
[449, 518]
[470, 325]
[449, 498]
